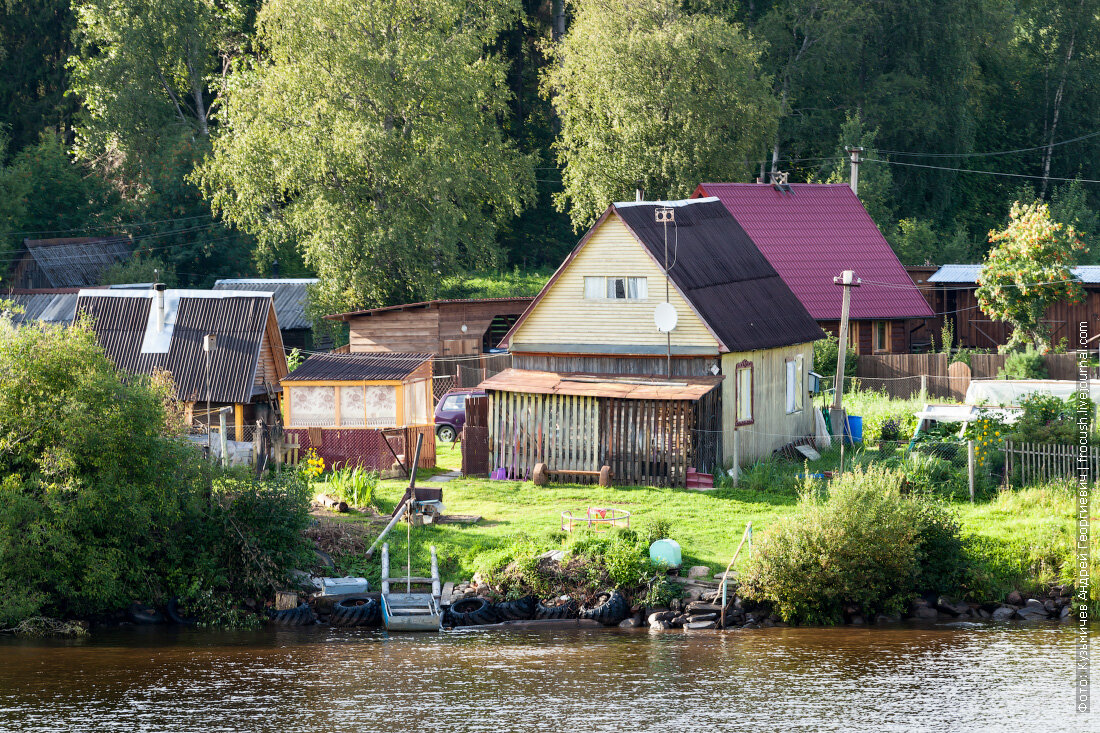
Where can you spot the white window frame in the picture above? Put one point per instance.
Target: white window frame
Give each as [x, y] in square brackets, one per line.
[743, 397]
[796, 384]
[601, 287]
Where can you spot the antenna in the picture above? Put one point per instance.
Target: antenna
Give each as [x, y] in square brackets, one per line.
[665, 316]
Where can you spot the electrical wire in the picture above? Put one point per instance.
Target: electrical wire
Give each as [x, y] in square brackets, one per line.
[990, 154]
[987, 173]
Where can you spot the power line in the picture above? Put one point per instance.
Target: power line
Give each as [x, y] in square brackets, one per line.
[987, 173]
[984, 155]
[109, 226]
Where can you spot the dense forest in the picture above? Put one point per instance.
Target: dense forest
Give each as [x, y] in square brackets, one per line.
[384, 145]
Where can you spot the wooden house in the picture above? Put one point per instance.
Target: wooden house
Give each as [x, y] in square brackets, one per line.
[149, 330]
[812, 232]
[953, 294]
[362, 409]
[71, 262]
[290, 296]
[596, 383]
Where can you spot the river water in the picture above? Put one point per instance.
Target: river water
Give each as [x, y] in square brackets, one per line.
[958, 677]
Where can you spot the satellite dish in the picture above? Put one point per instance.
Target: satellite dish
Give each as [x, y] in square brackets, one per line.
[664, 315]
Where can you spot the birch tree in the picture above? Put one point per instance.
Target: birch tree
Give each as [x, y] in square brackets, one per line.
[367, 134]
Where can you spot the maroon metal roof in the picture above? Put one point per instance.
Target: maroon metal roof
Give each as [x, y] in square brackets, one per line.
[520, 299]
[813, 233]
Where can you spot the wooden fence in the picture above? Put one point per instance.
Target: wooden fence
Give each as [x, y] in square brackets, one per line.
[475, 437]
[900, 375]
[1035, 462]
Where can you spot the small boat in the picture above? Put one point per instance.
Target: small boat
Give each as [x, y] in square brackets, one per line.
[410, 611]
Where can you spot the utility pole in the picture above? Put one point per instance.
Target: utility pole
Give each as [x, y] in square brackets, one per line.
[837, 416]
[856, 154]
[665, 215]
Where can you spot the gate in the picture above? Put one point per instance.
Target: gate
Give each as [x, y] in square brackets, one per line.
[475, 437]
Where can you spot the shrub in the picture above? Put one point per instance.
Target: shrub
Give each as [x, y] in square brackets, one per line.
[354, 485]
[101, 501]
[1026, 364]
[825, 357]
[1048, 419]
[864, 545]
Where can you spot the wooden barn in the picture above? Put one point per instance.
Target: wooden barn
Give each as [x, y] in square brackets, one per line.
[362, 409]
[441, 327]
[953, 293]
[596, 383]
[148, 330]
[810, 233]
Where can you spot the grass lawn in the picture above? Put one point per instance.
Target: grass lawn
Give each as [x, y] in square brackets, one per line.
[1027, 530]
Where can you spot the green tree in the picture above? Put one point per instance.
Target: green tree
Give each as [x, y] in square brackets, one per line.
[1027, 269]
[654, 96]
[367, 133]
[876, 183]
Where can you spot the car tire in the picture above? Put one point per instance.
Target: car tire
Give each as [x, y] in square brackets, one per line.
[446, 433]
[173, 613]
[555, 608]
[139, 613]
[521, 609]
[356, 612]
[300, 616]
[609, 608]
[474, 611]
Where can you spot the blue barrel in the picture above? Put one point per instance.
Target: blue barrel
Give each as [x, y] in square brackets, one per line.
[855, 428]
[666, 552]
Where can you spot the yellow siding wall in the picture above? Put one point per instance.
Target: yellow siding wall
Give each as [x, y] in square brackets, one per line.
[563, 317]
[772, 427]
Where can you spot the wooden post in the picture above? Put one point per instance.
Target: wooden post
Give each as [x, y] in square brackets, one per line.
[385, 567]
[285, 600]
[970, 467]
[222, 437]
[735, 470]
[238, 421]
[924, 387]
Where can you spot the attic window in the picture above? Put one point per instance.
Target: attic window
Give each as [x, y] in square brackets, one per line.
[616, 288]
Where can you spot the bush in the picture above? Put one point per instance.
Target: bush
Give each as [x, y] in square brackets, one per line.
[1048, 419]
[103, 503]
[825, 356]
[354, 485]
[864, 545]
[1026, 364]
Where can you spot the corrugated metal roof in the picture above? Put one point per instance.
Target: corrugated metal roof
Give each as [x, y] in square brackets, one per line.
[600, 385]
[121, 319]
[77, 261]
[288, 293]
[357, 367]
[57, 308]
[813, 233]
[1088, 274]
[519, 300]
[723, 275]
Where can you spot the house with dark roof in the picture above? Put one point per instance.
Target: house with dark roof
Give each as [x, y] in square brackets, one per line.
[656, 376]
[290, 296]
[71, 262]
[148, 330]
[952, 289]
[810, 233]
[362, 409]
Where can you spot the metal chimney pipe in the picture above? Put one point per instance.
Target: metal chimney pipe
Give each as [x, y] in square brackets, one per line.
[855, 153]
[159, 288]
[639, 194]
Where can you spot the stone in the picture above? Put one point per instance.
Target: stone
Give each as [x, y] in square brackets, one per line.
[704, 617]
[700, 625]
[1015, 599]
[553, 555]
[698, 571]
[855, 620]
[953, 607]
[1066, 611]
[693, 594]
[1067, 590]
[887, 618]
[982, 613]
[1033, 610]
[629, 623]
[680, 620]
[751, 625]
[1004, 613]
[701, 607]
[926, 612]
[731, 575]
[1050, 606]
[767, 623]
[659, 626]
[660, 616]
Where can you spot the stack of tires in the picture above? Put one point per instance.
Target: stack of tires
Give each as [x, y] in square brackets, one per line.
[557, 608]
[300, 616]
[474, 611]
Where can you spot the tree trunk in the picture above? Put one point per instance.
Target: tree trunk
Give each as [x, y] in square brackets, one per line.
[558, 31]
[1059, 93]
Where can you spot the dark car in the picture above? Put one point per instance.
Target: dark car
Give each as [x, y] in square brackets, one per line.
[450, 413]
